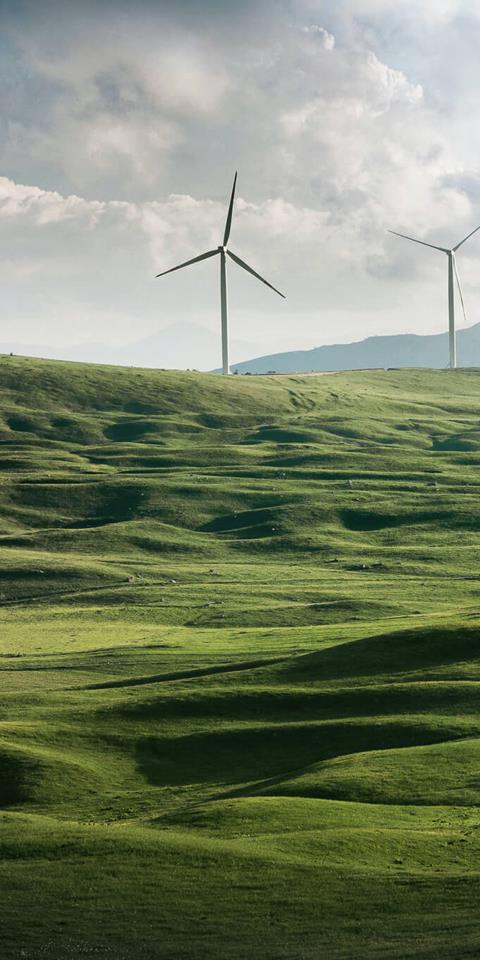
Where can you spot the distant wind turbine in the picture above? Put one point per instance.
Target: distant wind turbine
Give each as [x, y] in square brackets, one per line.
[452, 270]
[223, 251]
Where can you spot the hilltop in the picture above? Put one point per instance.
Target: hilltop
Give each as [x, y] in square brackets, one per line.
[239, 662]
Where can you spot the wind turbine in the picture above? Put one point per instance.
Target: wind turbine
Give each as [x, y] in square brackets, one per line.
[452, 270]
[223, 252]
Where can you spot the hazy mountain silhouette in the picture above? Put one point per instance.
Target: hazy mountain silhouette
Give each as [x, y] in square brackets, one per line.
[179, 346]
[402, 350]
[186, 345]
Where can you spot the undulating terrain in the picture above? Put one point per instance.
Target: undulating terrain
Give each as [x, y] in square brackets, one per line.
[240, 664]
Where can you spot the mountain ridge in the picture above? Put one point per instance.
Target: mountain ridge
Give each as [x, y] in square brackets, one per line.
[180, 345]
[397, 350]
[188, 345]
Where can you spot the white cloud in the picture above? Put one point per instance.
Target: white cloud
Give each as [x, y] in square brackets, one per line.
[43, 206]
[326, 39]
[169, 228]
[433, 11]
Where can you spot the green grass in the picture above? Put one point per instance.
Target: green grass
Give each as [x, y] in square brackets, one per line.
[239, 664]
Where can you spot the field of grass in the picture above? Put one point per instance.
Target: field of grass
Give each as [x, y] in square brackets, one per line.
[239, 665]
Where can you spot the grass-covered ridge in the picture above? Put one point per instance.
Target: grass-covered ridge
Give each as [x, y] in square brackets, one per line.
[240, 664]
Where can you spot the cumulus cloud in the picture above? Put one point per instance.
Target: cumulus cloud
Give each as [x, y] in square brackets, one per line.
[169, 228]
[43, 206]
[326, 39]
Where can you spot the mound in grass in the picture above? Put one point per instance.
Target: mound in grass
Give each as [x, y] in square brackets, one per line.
[446, 774]
[236, 755]
[40, 776]
[429, 652]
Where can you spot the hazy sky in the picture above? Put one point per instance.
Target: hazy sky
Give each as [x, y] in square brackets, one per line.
[121, 127]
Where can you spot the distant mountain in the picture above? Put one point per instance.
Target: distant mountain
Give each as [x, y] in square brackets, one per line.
[403, 350]
[186, 345]
[179, 346]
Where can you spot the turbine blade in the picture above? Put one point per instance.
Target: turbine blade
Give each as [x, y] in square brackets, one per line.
[465, 239]
[460, 289]
[254, 273]
[423, 242]
[228, 224]
[203, 256]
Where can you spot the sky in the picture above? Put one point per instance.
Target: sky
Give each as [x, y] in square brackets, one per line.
[121, 126]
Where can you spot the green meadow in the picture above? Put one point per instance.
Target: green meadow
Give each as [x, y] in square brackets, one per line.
[239, 664]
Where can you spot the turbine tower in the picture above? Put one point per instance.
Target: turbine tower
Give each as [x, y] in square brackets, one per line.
[452, 273]
[223, 252]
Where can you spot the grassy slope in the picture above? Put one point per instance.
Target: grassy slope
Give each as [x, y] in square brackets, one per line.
[240, 663]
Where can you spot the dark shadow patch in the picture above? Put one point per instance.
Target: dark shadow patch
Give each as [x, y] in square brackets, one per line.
[395, 654]
[364, 520]
[269, 434]
[239, 755]
[131, 431]
[455, 444]
[15, 774]
[251, 523]
[20, 424]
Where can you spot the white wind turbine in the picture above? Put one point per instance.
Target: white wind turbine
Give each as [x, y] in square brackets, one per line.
[223, 251]
[452, 270]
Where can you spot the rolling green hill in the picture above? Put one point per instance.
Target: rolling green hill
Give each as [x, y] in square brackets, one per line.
[240, 664]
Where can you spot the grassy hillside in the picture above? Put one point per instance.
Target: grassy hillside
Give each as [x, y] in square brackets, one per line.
[240, 664]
